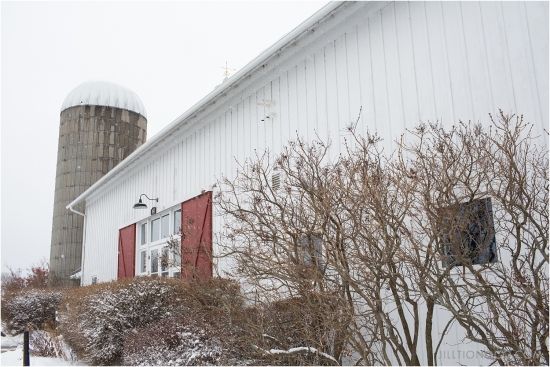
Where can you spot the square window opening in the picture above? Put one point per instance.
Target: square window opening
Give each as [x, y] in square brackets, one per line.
[468, 234]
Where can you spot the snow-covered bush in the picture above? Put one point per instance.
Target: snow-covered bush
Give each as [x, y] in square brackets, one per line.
[190, 340]
[30, 308]
[45, 343]
[93, 319]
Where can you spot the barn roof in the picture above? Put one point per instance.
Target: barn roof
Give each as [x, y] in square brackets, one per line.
[267, 60]
[100, 93]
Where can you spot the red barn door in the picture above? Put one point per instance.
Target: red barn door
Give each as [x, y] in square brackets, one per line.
[127, 252]
[196, 240]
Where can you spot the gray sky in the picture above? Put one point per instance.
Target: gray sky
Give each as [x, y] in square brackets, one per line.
[169, 53]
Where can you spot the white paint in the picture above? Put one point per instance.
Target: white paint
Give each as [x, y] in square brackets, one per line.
[99, 93]
[403, 63]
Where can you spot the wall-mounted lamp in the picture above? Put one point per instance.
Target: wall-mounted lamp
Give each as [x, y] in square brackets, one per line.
[140, 205]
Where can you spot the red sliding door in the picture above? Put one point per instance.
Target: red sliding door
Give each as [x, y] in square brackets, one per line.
[196, 240]
[127, 252]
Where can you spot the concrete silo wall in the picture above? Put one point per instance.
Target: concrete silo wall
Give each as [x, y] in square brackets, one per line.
[92, 140]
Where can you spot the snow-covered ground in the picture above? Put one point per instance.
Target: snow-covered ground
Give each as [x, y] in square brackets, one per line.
[14, 357]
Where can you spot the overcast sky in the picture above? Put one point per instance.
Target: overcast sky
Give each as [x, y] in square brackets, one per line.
[169, 53]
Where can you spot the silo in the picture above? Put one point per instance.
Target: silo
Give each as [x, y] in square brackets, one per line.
[101, 123]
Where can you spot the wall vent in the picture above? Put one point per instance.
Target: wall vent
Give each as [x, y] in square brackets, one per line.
[276, 181]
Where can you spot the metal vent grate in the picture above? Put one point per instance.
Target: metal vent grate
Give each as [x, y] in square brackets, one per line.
[276, 181]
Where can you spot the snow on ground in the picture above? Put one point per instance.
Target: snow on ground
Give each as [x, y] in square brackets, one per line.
[12, 354]
[9, 342]
[15, 358]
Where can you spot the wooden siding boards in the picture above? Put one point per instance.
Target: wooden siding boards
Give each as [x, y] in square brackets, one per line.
[196, 246]
[537, 38]
[127, 252]
[400, 61]
[407, 63]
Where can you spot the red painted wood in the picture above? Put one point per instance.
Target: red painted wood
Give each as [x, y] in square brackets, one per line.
[196, 243]
[127, 252]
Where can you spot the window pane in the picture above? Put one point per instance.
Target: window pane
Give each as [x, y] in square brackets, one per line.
[312, 251]
[177, 259]
[143, 234]
[177, 222]
[165, 256]
[155, 230]
[165, 223]
[143, 263]
[154, 261]
[164, 267]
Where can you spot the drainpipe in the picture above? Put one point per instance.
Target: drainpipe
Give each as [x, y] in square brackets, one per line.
[70, 207]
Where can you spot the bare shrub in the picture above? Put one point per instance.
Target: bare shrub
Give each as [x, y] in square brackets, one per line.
[212, 294]
[281, 332]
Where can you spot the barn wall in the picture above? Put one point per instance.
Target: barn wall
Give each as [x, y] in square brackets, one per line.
[407, 63]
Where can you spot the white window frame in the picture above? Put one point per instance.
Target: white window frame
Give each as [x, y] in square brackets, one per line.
[149, 246]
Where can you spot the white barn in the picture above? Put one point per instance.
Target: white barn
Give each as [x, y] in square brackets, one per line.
[402, 62]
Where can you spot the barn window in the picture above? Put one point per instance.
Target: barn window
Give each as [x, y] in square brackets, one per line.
[177, 222]
[143, 236]
[143, 262]
[94, 280]
[310, 252]
[468, 234]
[155, 230]
[164, 266]
[154, 262]
[162, 226]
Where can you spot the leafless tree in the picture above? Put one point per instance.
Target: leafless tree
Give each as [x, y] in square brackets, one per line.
[333, 230]
[479, 232]
[456, 220]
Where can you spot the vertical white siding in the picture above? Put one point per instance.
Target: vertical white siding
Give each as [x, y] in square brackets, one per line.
[409, 62]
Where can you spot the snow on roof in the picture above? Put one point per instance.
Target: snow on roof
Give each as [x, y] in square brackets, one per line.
[100, 93]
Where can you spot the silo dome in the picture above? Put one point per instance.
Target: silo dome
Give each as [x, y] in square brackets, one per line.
[100, 93]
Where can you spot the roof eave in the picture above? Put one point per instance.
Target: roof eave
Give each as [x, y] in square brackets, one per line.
[312, 20]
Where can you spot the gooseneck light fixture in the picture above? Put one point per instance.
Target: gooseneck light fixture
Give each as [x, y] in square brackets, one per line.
[140, 205]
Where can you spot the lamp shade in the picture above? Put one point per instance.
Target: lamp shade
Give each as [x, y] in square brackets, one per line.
[140, 205]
